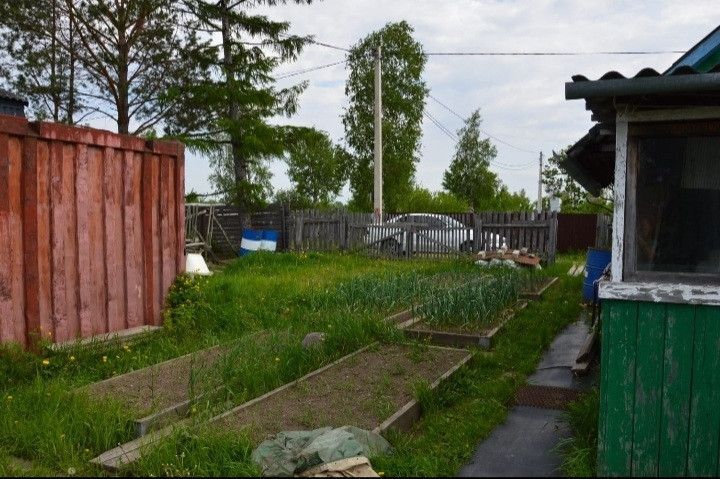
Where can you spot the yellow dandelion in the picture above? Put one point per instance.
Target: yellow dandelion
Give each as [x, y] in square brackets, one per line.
[277, 359]
[72, 358]
[104, 359]
[9, 398]
[87, 450]
[46, 362]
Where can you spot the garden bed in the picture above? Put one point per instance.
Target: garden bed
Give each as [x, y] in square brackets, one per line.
[460, 335]
[539, 289]
[373, 388]
[364, 389]
[163, 393]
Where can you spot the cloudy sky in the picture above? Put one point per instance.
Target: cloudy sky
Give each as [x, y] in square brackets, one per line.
[521, 98]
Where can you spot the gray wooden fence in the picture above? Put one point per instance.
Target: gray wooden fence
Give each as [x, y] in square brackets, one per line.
[424, 235]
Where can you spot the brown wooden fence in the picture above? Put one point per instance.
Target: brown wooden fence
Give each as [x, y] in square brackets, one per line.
[91, 230]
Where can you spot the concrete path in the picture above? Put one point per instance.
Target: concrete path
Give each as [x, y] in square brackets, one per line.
[523, 445]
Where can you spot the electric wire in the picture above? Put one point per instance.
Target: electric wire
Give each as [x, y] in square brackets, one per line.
[311, 69]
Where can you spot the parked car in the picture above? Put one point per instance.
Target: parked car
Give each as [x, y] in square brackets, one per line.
[431, 233]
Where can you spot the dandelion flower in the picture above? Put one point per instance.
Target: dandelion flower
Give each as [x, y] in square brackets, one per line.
[104, 359]
[9, 398]
[72, 358]
[277, 359]
[46, 362]
[87, 450]
[71, 471]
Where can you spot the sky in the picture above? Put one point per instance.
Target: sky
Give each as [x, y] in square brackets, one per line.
[521, 98]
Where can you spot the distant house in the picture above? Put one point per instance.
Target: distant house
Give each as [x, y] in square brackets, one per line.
[657, 141]
[12, 104]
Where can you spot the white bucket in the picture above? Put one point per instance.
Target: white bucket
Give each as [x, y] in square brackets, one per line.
[195, 264]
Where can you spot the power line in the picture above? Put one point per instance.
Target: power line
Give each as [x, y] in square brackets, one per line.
[449, 134]
[499, 140]
[308, 70]
[550, 54]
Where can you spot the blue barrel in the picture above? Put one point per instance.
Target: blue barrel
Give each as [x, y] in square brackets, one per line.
[251, 241]
[269, 240]
[597, 261]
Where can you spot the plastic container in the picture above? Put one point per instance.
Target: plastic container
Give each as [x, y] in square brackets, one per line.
[195, 264]
[597, 261]
[269, 240]
[251, 241]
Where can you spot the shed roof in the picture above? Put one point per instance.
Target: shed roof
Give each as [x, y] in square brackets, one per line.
[8, 95]
[692, 80]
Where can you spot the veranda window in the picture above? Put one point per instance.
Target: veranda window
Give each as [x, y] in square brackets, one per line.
[673, 202]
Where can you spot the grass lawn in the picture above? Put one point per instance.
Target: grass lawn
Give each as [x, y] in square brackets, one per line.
[281, 297]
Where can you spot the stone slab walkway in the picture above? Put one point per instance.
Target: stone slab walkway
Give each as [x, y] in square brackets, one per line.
[524, 444]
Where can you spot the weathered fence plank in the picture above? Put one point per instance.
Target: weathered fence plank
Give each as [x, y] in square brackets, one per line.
[72, 230]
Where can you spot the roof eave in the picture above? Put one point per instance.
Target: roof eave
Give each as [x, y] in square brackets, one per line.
[703, 82]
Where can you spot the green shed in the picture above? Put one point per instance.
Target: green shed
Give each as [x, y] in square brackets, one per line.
[657, 143]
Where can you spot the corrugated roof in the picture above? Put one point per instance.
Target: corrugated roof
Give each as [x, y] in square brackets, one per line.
[648, 73]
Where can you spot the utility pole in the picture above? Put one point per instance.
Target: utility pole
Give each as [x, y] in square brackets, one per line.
[539, 201]
[377, 164]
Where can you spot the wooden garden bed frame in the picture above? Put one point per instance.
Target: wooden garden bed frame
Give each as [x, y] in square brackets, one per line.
[125, 454]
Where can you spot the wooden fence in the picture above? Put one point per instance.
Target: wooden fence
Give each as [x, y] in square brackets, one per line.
[420, 235]
[91, 230]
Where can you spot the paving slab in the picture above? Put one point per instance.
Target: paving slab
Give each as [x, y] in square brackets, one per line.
[521, 446]
[555, 368]
[524, 445]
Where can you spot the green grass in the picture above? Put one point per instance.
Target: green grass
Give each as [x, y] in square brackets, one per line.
[278, 298]
[579, 452]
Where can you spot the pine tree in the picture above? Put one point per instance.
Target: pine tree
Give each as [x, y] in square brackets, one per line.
[230, 103]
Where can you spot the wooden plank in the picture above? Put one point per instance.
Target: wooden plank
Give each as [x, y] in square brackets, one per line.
[7, 329]
[83, 235]
[704, 424]
[677, 377]
[167, 228]
[618, 390]
[150, 235]
[59, 236]
[30, 239]
[17, 247]
[180, 212]
[114, 239]
[134, 252]
[44, 242]
[650, 346]
[96, 237]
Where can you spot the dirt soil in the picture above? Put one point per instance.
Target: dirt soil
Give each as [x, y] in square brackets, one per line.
[157, 387]
[471, 327]
[361, 391]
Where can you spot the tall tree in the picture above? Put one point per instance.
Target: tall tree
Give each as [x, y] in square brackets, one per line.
[36, 66]
[316, 166]
[573, 197]
[132, 52]
[231, 103]
[403, 93]
[469, 176]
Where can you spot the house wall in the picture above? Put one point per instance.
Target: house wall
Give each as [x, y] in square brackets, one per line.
[91, 230]
[660, 389]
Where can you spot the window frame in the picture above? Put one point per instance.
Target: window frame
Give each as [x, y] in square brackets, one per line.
[636, 132]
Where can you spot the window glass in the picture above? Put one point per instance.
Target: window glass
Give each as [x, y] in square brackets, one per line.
[678, 205]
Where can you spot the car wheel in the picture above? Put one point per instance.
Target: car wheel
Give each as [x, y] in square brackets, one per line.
[390, 247]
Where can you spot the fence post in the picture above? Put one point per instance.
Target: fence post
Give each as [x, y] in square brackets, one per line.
[299, 232]
[477, 232]
[343, 231]
[552, 246]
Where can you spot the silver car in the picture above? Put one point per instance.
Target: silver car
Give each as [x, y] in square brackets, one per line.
[428, 233]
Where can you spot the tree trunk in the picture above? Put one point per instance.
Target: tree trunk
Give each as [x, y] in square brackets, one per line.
[69, 117]
[240, 166]
[123, 85]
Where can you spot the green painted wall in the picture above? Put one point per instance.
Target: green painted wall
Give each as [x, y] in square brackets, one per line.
[659, 390]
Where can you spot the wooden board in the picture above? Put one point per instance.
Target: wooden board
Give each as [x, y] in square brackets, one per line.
[538, 293]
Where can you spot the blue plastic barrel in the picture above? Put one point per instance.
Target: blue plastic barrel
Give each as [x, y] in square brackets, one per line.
[251, 241]
[269, 240]
[597, 261]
